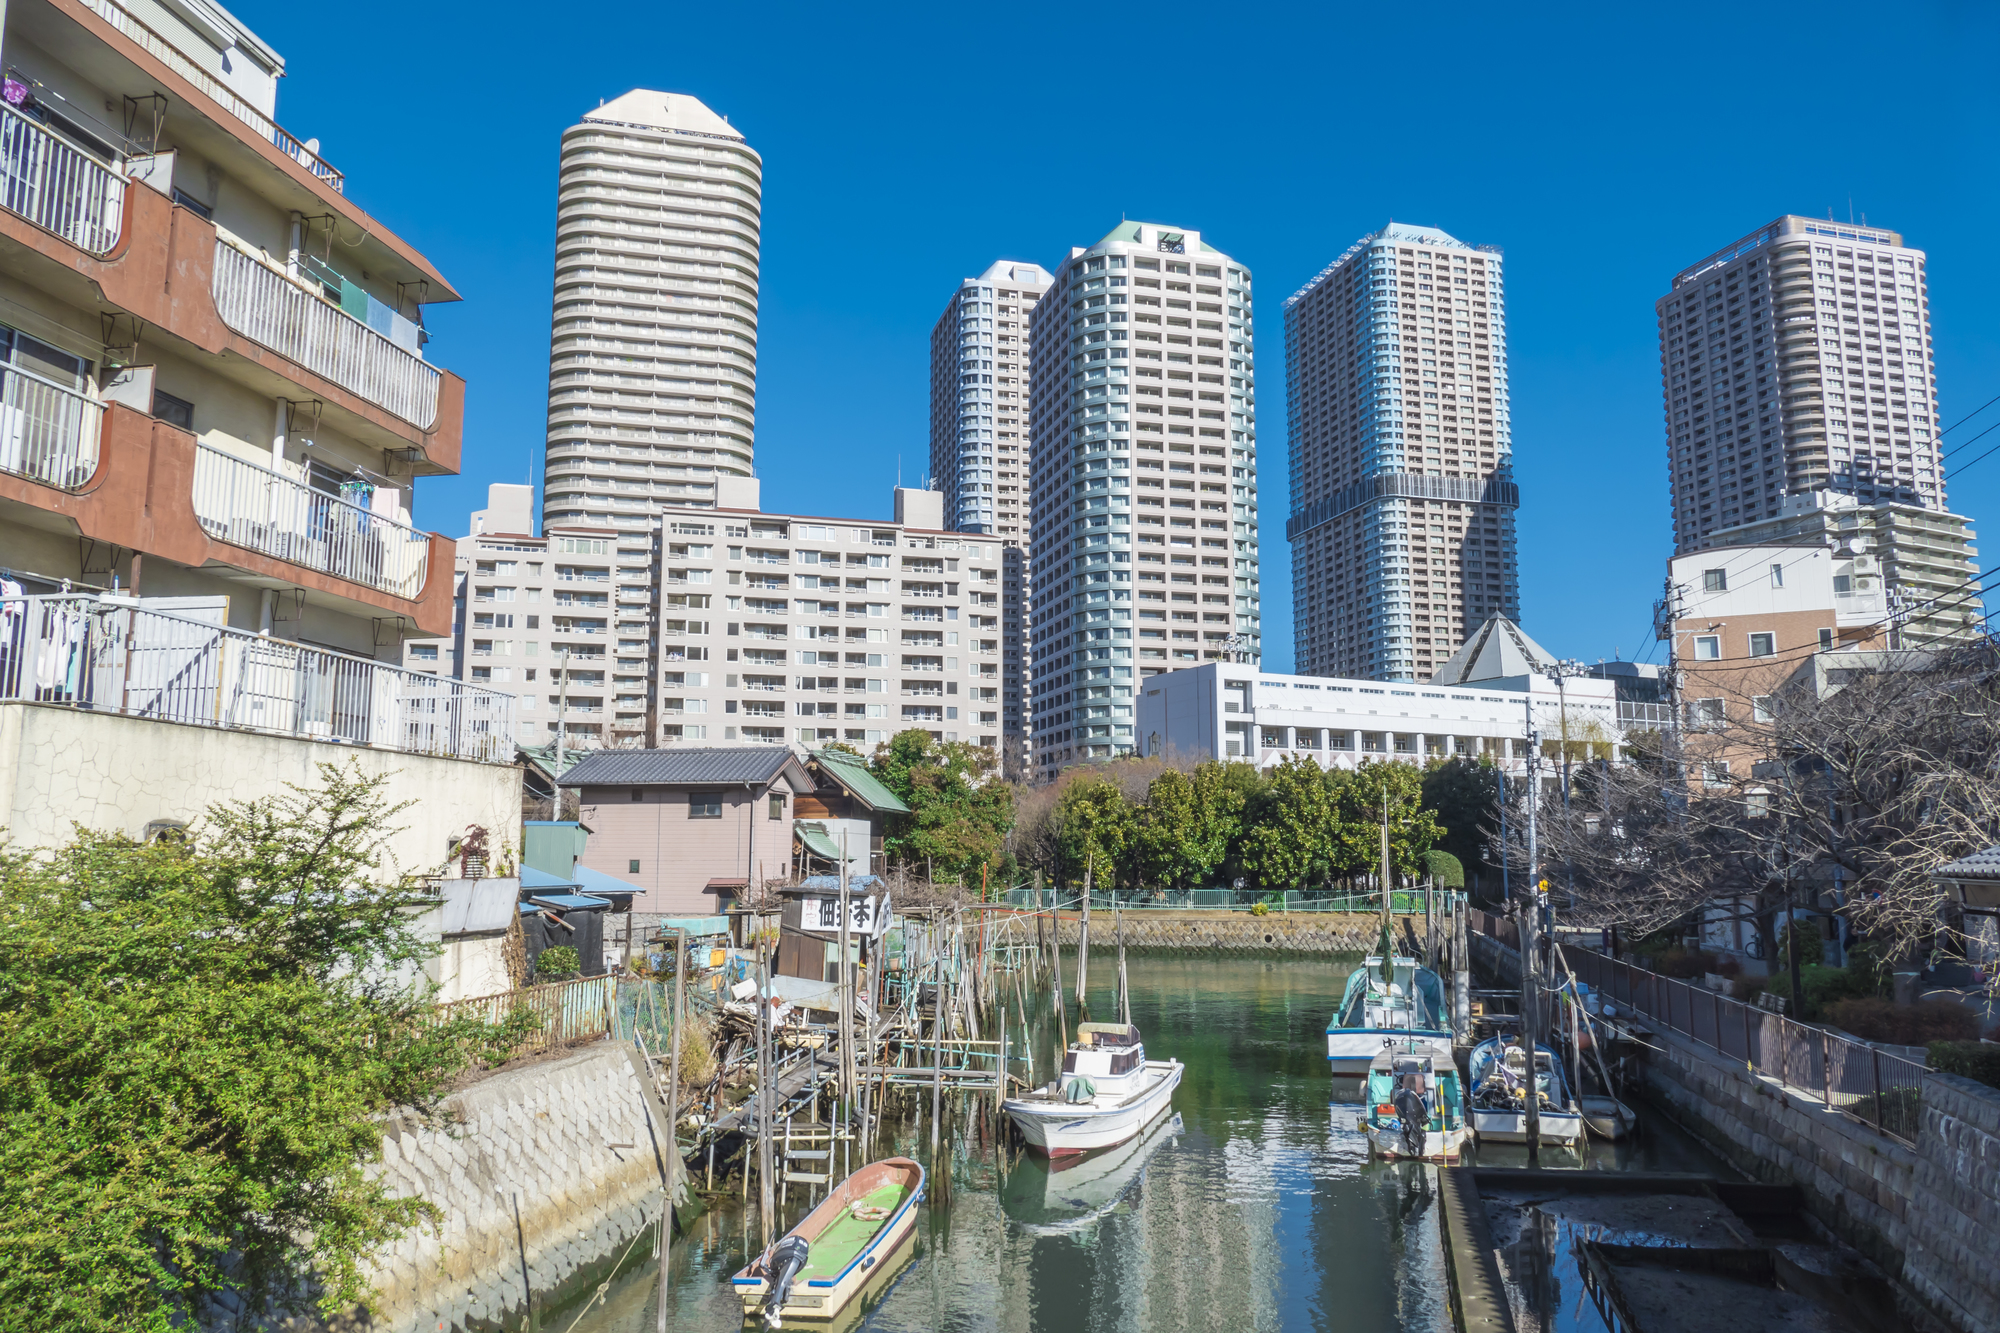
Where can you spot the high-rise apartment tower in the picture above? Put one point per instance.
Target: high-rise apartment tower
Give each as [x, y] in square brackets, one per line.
[980, 372]
[1144, 480]
[1798, 359]
[1402, 526]
[653, 347]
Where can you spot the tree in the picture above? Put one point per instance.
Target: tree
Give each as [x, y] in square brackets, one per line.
[1294, 839]
[960, 810]
[1094, 832]
[1464, 794]
[1184, 831]
[1413, 829]
[198, 1040]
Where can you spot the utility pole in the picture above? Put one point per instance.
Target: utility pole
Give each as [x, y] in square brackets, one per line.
[1560, 672]
[1531, 954]
[562, 710]
[1666, 620]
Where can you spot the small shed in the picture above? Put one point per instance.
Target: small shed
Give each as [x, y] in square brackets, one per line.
[809, 924]
[846, 801]
[1971, 887]
[575, 919]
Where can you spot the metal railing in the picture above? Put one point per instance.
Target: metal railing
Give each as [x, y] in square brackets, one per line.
[48, 433]
[110, 655]
[264, 305]
[566, 1012]
[1873, 1086]
[249, 505]
[59, 187]
[170, 55]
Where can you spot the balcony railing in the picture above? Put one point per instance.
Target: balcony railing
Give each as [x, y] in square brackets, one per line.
[248, 505]
[48, 433]
[111, 656]
[59, 187]
[173, 58]
[267, 307]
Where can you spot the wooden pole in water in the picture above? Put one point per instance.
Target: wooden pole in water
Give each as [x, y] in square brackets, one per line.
[845, 1014]
[673, 1113]
[765, 1092]
[1083, 937]
[1056, 992]
[1124, 991]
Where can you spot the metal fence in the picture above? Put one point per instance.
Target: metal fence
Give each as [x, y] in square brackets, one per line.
[263, 304]
[1874, 1086]
[48, 432]
[110, 655]
[248, 505]
[59, 187]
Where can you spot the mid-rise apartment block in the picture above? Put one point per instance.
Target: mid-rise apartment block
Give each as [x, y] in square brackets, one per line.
[215, 405]
[1403, 494]
[1144, 480]
[653, 343]
[785, 629]
[1797, 359]
[981, 368]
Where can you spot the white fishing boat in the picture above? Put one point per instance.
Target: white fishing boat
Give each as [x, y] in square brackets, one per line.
[1498, 1074]
[1061, 1195]
[1607, 1117]
[837, 1252]
[1396, 1003]
[1108, 1092]
[1415, 1107]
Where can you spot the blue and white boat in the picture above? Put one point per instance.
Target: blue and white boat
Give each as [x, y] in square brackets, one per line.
[1393, 1002]
[1497, 1073]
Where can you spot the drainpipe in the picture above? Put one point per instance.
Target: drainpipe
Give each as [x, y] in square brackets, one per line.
[292, 255]
[280, 422]
[750, 867]
[267, 612]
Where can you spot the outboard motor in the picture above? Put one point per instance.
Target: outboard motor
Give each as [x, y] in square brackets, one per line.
[1416, 1118]
[788, 1258]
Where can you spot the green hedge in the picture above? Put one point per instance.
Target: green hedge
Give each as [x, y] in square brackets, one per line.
[1446, 871]
[1976, 1060]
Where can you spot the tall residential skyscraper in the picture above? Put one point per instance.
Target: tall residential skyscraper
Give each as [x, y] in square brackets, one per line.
[1403, 495]
[980, 371]
[653, 351]
[1144, 491]
[1798, 359]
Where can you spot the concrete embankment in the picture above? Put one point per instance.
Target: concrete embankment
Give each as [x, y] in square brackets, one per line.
[1927, 1214]
[1194, 930]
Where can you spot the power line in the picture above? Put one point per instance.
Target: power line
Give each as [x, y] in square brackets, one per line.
[1963, 443]
[1969, 416]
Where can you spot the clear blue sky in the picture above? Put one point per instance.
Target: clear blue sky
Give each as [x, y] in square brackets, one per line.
[1601, 147]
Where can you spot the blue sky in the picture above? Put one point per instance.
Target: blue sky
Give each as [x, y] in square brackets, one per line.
[906, 147]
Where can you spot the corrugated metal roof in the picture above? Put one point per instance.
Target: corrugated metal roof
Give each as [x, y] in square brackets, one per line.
[532, 878]
[851, 772]
[596, 881]
[686, 767]
[564, 902]
[817, 842]
[1979, 865]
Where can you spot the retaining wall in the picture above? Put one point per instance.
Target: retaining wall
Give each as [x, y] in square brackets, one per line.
[1928, 1214]
[1155, 929]
[548, 1174]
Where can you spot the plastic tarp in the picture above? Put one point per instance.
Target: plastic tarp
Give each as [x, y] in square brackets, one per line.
[475, 905]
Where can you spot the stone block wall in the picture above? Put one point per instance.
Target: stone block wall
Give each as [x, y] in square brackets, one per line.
[545, 1178]
[1953, 1261]
[1154, 929]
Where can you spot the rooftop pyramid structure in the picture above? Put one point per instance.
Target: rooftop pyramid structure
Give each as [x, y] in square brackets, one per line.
[1496, 650]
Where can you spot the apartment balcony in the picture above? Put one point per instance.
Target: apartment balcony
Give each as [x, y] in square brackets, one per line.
[48, 432]
[58, 186]
[249, 505]
[267, 307]
[172, 668]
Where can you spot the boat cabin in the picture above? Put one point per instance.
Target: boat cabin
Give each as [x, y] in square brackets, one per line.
[1104, 1050]
[1411, 999]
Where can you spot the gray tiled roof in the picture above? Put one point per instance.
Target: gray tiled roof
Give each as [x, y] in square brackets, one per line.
[685, 767]
[1979, 865]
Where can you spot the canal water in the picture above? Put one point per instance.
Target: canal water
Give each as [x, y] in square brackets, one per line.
[1252, 1206]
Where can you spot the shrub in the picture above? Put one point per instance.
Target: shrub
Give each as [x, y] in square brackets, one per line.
[557, 964]
[1260, 909]
[1812, 949]
[1686, 964]
[1446, 870]
[1747, 989]
[1976, 1060]
[1821, 985]
[1904, 1025]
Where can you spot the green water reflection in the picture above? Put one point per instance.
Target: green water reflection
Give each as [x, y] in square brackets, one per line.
[1259, 1210]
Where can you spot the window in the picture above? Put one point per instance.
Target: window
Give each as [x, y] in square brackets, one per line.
[1777, 576]
[631, 867]
[777, 806]
[1826, 638]
[1705, 713]
[638, 793]
[192, 205]
[1715, 773]
[704, 805]
[1715, 580]
[1707, 647]
[1763, 645]
[174, 411]
[1762, 708]
[1757, 804]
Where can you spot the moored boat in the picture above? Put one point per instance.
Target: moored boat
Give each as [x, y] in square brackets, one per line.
[821, 1265]
[1067, 1194]
[1415, 1107]
[1607, 1117]
[1108, 1092]
[1498, 1074]
[1387, 1003]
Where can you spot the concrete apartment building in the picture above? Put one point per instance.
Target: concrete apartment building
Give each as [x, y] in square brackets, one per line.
[1143, 481]
[214, 408]
[653, 350]
[1402, 526]
[786, 629]
[1798, 359]
[981, 367]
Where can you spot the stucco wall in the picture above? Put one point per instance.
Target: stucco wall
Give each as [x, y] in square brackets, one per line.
[60, 766]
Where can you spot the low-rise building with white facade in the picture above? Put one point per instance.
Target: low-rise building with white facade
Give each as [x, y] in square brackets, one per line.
[788, 629]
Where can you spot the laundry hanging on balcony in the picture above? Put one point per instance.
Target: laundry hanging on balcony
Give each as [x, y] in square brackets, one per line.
[379, 316]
